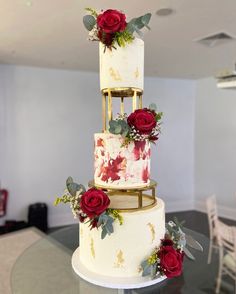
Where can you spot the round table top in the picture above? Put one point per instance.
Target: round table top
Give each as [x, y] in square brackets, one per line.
[45, 267]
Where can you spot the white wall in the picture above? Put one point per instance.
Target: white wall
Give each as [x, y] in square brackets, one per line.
[50, 118]
[215, 146]
[173, 157]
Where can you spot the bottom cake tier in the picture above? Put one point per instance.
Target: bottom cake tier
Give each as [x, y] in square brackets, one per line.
[121, 253]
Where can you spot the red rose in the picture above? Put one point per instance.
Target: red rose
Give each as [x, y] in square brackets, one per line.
[170, 261]
[111, 21]
[105, 38]
[142, 120]
[94, 202]
[167, 242]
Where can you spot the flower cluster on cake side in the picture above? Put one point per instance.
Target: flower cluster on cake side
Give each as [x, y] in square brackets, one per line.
[111, 27]
[167, 259]
[91, 206]
[141, 125]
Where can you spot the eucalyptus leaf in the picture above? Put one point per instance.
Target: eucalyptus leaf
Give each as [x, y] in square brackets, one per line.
[153, 270]
[102, 219]
[188, 253]
[104, 233]
[139, 32]
[118, 129]
[113, 123]
[109, 228]
[74, 187]
[145, 19]
[89, 22]
[153, 106]
[193, 243]
[69, 181]
[146, 268]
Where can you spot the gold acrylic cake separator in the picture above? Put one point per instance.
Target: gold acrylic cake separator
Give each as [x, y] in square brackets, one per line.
[109, 93]
[137, 192]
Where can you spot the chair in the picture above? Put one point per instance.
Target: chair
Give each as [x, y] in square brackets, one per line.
[226, 236]
[212, 219]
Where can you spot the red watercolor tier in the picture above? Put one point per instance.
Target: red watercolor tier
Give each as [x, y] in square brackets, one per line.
[118, 166]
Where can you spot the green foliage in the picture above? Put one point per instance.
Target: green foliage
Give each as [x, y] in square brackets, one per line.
[64, 199]
[136, 24]
[153, 107]
[119, 127]
[73, 188]
[106, 223]
[92, 11]
[89, 22]
[158, 116]
[123, 38]
[115, 214]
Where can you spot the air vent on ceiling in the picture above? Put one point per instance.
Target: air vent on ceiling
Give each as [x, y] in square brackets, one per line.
[216, 39]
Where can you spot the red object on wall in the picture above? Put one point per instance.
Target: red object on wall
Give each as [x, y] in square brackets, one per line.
[3, 202]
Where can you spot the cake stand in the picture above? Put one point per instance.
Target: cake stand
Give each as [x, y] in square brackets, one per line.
[111, 282]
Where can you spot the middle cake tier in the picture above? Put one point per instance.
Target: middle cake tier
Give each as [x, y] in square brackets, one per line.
[121, 166]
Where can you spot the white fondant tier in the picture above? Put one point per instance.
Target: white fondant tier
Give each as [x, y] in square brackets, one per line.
[120, 254]
[118, 166]
[123, 66]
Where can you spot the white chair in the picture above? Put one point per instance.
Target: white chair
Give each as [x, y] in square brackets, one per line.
[226, 236]
[212, 219]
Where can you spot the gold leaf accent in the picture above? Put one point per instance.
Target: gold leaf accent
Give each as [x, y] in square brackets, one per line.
[152, 229]
[81, 232]
[119, 259]
[92, 248]
[115, 74]
[136, 73]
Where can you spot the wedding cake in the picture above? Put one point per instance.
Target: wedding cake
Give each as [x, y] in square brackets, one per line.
[122, 222]
[122, 166]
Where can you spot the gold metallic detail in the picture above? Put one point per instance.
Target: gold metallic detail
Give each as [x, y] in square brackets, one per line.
[109, 93]
[136, 192]
[115, 74]
[152, 229]
[110, 115]
[152, 184]
[104, 121]
[119, 259]
[92, 248]
[122, 107]
[135, 101]
[136, 73]
[81, 232]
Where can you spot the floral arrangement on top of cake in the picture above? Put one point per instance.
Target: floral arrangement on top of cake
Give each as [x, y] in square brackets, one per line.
[90, 206]
[142, 124]
[110, 27]
[168, 258]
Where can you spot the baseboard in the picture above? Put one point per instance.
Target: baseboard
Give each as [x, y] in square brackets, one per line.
[223, 211]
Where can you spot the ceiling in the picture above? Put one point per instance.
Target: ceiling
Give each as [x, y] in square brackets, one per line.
[50, 33]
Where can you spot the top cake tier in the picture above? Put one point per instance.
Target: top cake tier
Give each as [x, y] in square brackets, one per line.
[122, 67]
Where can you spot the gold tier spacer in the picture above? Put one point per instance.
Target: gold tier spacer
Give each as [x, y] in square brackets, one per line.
[107, 101]
[134, 191]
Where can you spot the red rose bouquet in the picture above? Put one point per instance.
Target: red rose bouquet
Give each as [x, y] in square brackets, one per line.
[110, 27]
[91, 206]
[140, 125]
[167, 259]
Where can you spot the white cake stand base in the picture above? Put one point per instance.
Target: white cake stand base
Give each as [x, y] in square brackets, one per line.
[111, 282]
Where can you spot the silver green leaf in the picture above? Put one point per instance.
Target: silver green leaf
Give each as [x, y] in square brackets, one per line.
[89, 22]
[193, 243]
[188, 253]
[153, 106]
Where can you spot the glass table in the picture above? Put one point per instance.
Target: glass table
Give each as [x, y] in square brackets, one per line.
[45, 267]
